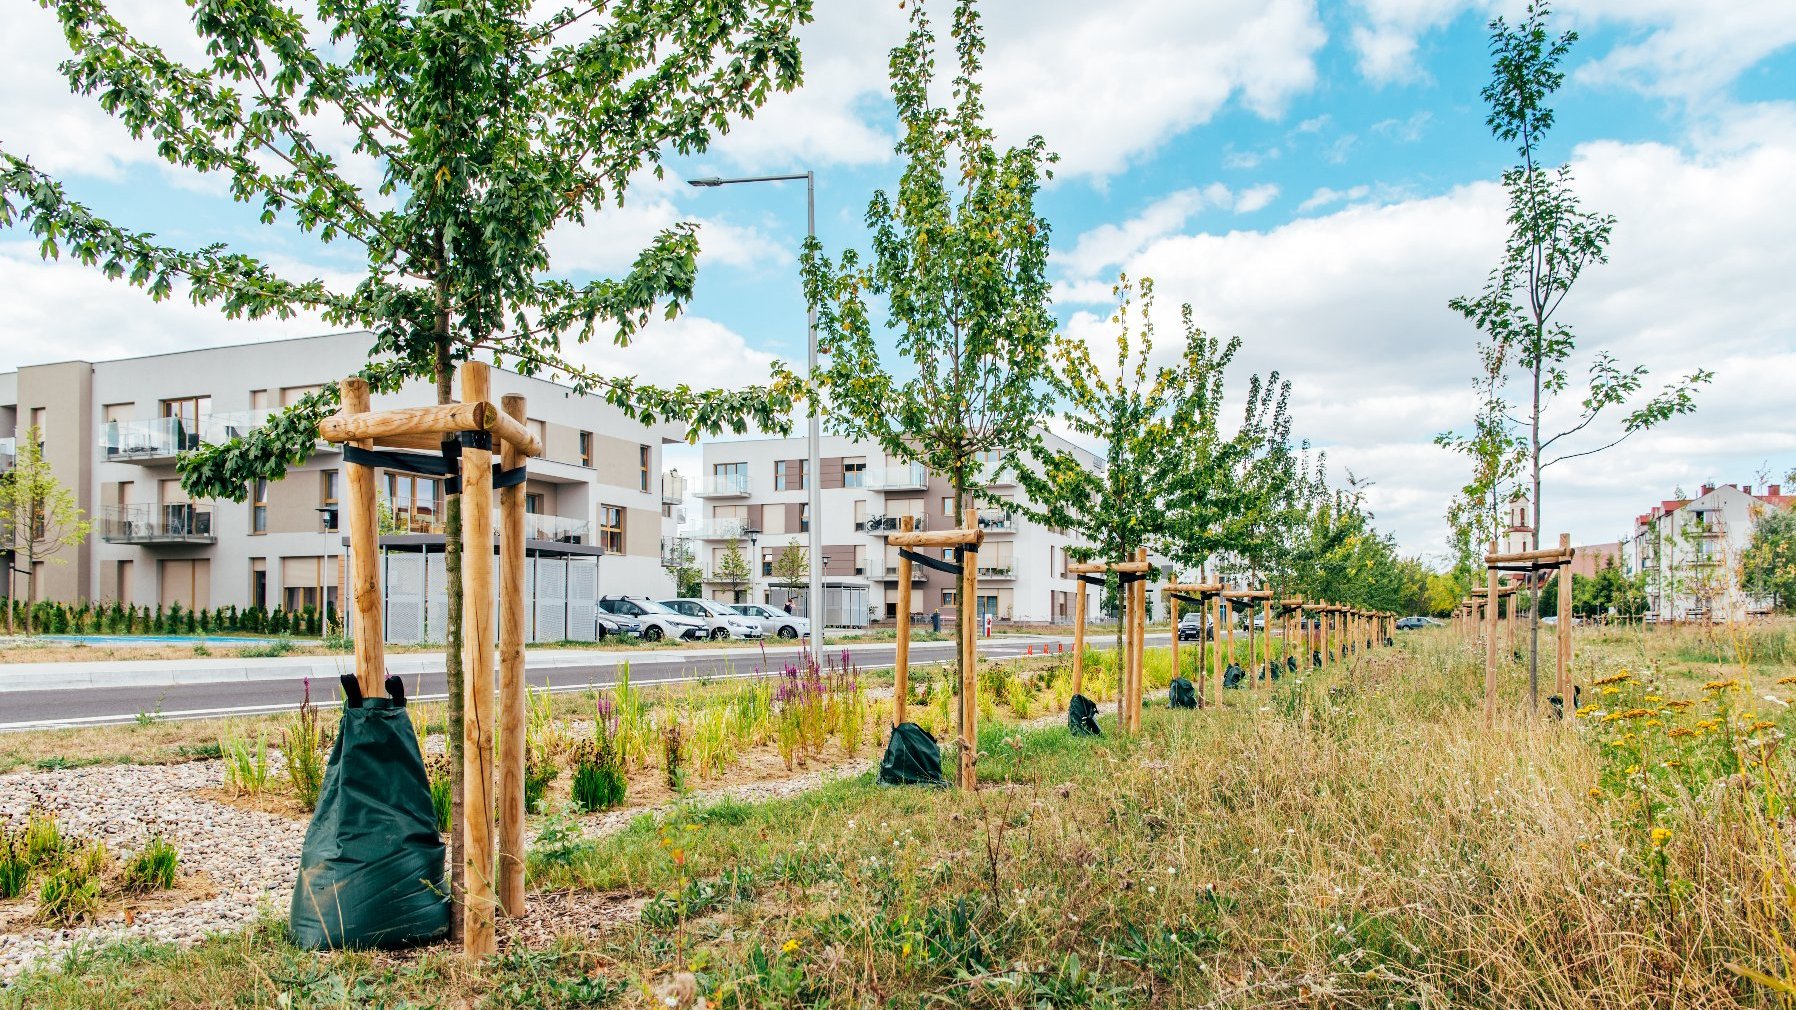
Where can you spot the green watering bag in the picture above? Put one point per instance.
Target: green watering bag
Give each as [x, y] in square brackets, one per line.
[912, 758]
[371, 872]
[1082, 716]
[1181, 693]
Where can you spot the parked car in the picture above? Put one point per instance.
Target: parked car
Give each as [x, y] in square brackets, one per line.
[1412, 623]
[617, 624]
[720, 621]
[775, 622]
[1190, 626]
[657, 621]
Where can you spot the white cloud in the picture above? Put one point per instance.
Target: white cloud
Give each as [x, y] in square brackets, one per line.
[610, 240]
[1108, 244]
[697, 351]
[1255, 198]
[1406, 130]
[1326, 196]
[1351, 307]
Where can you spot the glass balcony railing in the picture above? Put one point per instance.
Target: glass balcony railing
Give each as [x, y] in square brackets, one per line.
[673, 488]
[910, 477]
[157, 524]
[887, 525]
[675, 552]
[559, 529]
[1004, 570]
[889, 572]
[157, 440]
[724, 486]
[997, 521]
[719, 529]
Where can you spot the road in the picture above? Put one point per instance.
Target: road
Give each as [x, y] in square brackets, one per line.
[99, 705]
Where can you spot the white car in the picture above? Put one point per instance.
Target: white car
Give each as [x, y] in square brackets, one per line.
[775, 622]
[657, 621]
[720, 621]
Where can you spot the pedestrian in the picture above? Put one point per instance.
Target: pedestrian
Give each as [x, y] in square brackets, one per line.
[788, 606]
[935, 620]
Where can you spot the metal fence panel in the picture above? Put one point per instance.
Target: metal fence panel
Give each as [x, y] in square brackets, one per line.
[405, 598]
[583, 599]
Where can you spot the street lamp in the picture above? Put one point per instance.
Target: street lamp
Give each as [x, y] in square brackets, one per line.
[754, 560]
[814, 478]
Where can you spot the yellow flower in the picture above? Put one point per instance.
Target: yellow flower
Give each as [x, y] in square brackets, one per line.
[1611, 690]
[1660, 837]
[1678, 705]
[1720, 685]
[1595, 793]
[1612, 679]
[790, 946]
[1633, 769]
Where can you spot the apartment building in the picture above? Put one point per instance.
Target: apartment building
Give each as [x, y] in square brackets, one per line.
[112, 431]
[1690, 550]
[754, 501]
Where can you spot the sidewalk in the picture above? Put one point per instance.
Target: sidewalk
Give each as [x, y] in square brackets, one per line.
[72, 676]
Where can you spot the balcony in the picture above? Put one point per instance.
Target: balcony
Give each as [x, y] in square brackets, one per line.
[997, 521]
[157, 524]
[1716, 527]
[889, 572]
[885, 526]
[998, 573]
[9, 453]
[159, 440]
[913, 477]
[558, 529]
[719, 529]
[724, 486]
[673, 488]
[675, 553]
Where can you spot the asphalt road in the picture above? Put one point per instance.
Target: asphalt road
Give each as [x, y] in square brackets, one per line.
[101, 705]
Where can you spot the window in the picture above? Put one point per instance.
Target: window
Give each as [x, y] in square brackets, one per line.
[804, 518]
[854, 472]
[790, 474]
[39, 423]
[947, 597]
[258, 508]
[586, 448]
[188, 410]
[948, 506]
[258, 399]
[767, 563]
[291, 395]
[327, 501]
[645, 459]
[417, 502]
[611, 529]
[116, 412]
[779, 475]
[533, 503]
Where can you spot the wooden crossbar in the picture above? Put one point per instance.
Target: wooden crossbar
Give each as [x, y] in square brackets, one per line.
[434, 420]
[937, 538]
[1194, 588]
[1559, 555]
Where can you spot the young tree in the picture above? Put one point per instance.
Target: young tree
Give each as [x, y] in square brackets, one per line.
[1769, 565]
[959, 259]
[486, 127]
[1552, 240]
[791, 568]
[39, 518]
[732, 569]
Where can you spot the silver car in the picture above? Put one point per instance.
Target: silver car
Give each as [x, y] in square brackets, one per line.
[775, 622]
[720, 621]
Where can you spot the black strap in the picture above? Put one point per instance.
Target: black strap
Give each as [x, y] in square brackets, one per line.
[1182, 598]
[928, 562]
[1124, 578]
[446, 466]
[510, 478]
[1093, 579]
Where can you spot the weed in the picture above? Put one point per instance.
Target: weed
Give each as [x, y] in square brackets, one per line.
[436, 770]
[673, 756]
[277, 648]
[599, 782]
[246, 764]
[69, 896]
[44, 845]
[15, 869]
[303, 745]
[154, 715]
[154, 868]
[199, 649]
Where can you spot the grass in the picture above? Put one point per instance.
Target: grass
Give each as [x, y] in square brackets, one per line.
[1352, 838]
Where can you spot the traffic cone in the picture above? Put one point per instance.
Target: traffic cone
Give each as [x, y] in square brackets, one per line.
[1030, 651]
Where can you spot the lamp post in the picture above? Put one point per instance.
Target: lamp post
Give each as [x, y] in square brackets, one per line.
[754, 560]
[814, 476]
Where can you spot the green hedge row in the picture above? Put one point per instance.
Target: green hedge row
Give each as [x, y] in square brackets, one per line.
[100, 618]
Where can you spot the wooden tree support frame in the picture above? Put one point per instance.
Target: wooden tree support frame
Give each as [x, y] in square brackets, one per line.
[1255, 672]
[1132, 607]
[1531, 564]
[495, 875]
[968, 539]
[1202, 593]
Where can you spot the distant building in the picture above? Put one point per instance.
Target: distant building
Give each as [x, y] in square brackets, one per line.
[1690, 550]
[1593, 558]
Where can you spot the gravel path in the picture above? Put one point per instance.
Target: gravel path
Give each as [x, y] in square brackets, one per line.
[251, 858]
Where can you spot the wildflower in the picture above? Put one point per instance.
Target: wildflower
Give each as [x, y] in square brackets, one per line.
[1679, 731]
[1611, 690]
[1678, 706]
[1660, 837]
[1616, 678]
[790, 946]
[1721, 685]
[1655, 699]
[1786, 680]
[1596, 793]
[905, 952]
[1633, 769]
[1761, 724]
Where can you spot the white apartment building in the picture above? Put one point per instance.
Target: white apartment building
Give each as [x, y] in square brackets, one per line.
[1691, 551]
[112, 431]
[754, 498]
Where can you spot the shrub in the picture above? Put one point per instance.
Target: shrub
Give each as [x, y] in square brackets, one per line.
[279, 647]
[599, 781]
[673, 755]
[154, 868]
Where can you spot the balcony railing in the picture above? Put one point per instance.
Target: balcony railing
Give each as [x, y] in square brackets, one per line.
[157, 440]
[888, 572]
[1716, 527]
[719, 529]
[1007, 571]
[559, 529]
[997, 521]
[724, 486]
[157, 524]
[673, 488]
[912, 477]
[886, 525]
[675, 552]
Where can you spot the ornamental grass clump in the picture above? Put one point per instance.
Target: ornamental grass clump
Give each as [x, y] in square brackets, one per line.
[153, 868]
[305, 743]
[599, 782]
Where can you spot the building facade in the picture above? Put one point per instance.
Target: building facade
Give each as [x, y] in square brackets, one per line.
[1691, 549]
[112, 431]
[754, 507]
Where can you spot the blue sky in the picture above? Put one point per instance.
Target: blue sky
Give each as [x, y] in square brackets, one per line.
[1314, 177]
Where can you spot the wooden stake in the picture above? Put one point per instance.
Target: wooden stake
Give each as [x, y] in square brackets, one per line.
[513, 692]
[901, 660]
[1079, 639]
[1266, 635]
[1172, 615]
[479, 936]
[1216, 653]
[969, 681]
[1140, 642]
[364, 558]
[1562, 659]
[1490, 645]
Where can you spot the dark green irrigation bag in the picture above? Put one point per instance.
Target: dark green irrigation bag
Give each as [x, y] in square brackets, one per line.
[1082, 716]
[1273, 670]
[1290, 664]
[1316, 658]
[1181, 693]
[371, 873]
[912, 758]
[1234, 676]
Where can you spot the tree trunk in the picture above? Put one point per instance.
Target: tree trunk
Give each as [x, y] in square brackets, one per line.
[452, 652]
[1534, 538]
[30, 592]
[962, 632]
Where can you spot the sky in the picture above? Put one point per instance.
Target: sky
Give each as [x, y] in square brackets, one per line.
[1315, 177]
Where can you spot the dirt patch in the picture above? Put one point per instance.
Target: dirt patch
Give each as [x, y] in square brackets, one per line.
[276, 801]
